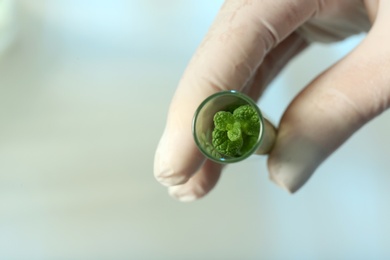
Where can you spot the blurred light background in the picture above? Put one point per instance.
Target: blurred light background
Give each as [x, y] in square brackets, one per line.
[84, 92]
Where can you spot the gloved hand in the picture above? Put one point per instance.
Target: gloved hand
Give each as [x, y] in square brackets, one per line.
[248, 44]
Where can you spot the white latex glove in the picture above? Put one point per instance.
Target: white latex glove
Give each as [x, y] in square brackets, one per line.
[248, 44]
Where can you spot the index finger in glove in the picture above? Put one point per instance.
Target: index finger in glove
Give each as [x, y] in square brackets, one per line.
[242, 34]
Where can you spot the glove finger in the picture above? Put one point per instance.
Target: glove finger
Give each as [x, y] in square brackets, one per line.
[333, 107]
[243, 33]
[198, 185]
[206, 178]
[273, 63]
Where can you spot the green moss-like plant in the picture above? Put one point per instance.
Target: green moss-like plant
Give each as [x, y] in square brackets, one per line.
[236, 133]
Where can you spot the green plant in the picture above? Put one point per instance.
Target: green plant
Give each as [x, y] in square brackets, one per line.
[235, 133]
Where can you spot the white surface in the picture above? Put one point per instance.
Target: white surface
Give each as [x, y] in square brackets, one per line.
[84, 93]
